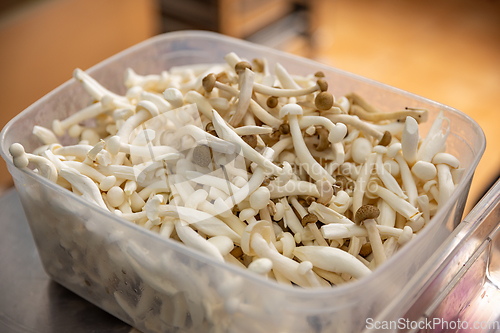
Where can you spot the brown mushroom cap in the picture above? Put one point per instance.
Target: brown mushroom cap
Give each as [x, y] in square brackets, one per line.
[343, 182]
[325, 190]
[250, 140]
[241, 66]
[202, 155]
[366, 212]
[309, 218]
[365, 250]
[386, 139]
[310, 199]
[222, 77]
[209, 126]
[319, 74]
[323, 139]
[272, 102]
[322, 84]
[284, 129]
[208, 82]
[324, 101]
[258, 64]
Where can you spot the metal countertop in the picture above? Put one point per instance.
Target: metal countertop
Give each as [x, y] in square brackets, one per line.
[29, 300]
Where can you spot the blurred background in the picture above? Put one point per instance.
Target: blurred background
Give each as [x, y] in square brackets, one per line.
[445, 50]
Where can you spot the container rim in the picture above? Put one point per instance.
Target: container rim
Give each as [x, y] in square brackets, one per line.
[320, 292]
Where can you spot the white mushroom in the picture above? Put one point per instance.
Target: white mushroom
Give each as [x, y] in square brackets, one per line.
[400, 205]
[84, 185]
[409, 140]
[192, 239]
[366, 215]
[312, 167]
[332, 260]
[44, 135]
[21, 160]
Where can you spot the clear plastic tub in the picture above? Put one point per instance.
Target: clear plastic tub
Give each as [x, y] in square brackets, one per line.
[157, 284]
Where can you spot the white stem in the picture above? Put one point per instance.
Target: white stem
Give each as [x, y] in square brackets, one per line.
[192, 239]
[362, 182]
[409, 140]
[332, 260]
[389, 181]
[445, 181]
[375, 241]
[407, 178]
[399, 205]
[312, 167]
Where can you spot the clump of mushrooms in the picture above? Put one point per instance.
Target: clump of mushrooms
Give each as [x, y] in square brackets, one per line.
[269, 172]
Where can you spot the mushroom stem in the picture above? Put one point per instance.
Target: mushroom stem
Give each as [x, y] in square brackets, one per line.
[409, 140]
[256, 109]
[286, 266]
[59, 126]
[266, 90]
[44, 135]
[389, 181]
[84, 185]
[362, 182]
[399, 205]
[192, 239]
[332, 260]
[21, 160]
[357, 123]
[418, 115]
[375, 241]
[284, 77]
[94, 88]
[407, 179]
[228, 134]
[312, 167]
[337, 132]
[244, 97]
[446, 185]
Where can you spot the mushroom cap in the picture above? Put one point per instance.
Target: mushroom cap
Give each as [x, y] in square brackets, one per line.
[258, 64]
[16, 150]
[272, 102]
[291, 109]
[260, 227]
[202, 155]
[284, 129]
[113, 145]
[386, 139]
[309, 218]
[208, 82]
[250, 140]
[324, 101]
[322, 84]
[366, 212]
[241, 66]
[261, 266]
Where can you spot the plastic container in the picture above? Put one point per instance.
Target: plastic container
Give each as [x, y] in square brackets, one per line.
[157, 284]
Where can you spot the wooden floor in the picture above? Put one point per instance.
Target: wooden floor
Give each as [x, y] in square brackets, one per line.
[448, 51]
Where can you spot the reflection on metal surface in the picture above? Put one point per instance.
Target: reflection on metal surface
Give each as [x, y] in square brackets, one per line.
[30, 301]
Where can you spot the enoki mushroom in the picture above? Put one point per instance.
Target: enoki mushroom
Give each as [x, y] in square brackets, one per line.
[266, 171]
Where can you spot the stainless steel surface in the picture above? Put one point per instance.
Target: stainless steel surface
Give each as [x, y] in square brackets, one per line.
[29, 300]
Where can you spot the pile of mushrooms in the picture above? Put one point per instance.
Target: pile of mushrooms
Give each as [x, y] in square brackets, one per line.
[262, 169]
